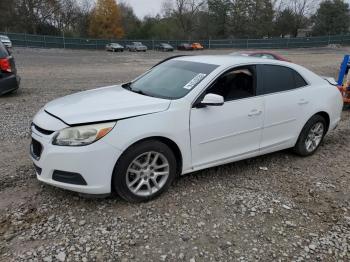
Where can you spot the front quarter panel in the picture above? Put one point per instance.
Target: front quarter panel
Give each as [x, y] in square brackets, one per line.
[172, 124]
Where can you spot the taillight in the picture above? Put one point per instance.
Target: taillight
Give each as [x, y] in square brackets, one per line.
[5, 65]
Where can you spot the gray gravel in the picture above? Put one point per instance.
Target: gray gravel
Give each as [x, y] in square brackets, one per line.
[278, 207]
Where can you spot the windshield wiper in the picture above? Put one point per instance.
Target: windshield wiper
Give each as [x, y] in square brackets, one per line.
[127, 86]
[139, 92]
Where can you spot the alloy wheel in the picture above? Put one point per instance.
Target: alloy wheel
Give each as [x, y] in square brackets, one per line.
[314, 137]
[147, 173]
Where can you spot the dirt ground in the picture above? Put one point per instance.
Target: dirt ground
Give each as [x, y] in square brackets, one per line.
[278, 207]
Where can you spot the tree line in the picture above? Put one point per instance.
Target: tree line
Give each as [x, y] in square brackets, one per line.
[179, 19]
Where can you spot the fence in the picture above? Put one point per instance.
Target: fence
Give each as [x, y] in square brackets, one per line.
[45, 41]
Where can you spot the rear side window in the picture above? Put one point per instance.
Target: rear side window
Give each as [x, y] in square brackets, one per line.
[299, 80]
[3, 51]
[279, 78]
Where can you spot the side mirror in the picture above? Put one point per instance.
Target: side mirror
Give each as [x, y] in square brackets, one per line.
[212, 100]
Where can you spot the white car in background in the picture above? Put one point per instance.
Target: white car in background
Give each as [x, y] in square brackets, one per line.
[6, 41]
[185, 114]
[136, 47]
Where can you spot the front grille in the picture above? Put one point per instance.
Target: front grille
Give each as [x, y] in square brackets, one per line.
[43, 131]
[36, 149]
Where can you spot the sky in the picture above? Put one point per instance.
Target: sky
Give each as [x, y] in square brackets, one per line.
[145, 7]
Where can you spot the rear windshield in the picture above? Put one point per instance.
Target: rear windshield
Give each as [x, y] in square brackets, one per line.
[3, 51]
[172, 79]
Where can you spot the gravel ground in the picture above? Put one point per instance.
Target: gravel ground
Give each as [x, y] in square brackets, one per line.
[278, 207]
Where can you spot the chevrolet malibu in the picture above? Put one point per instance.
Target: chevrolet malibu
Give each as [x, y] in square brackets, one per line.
[185, 114]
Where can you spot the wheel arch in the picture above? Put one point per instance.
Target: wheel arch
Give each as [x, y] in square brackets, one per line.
[322, 113]
[172, 145]
[167, 141]
[326, 116]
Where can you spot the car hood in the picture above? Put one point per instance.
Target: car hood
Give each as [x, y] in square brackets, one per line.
[104, 104]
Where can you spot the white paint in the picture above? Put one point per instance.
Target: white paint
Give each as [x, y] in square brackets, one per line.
[206, 137]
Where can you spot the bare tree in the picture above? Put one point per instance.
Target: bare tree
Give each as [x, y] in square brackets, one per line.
[301, 9]
[185, 12]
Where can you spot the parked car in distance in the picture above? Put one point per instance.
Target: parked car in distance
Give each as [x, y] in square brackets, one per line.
[114, 47]
[9, 80]
[6, 41]
[185, 114]
[137, 47]
[262, 54]
[197, 46]
[164, 47]
[185, 47]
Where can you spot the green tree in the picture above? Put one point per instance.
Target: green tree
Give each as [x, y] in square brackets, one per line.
[219, 11]
[105, 21]
[130, 22]
[251, 18]
[285, 23]
[332, 18]
[7, 19]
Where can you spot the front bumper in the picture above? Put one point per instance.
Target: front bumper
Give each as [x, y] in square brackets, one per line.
[95, 163]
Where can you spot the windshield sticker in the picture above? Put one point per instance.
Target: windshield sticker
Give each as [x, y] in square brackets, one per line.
[194, 81]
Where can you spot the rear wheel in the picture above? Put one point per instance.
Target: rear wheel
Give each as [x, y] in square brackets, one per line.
[144, 171]
[311, 136]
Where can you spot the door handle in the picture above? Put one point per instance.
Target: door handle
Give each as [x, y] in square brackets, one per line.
[255, 112]
[303, 102]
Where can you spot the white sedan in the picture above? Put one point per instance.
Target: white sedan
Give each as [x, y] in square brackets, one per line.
[185, 114]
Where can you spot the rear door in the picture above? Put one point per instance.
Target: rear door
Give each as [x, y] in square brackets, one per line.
[287, 101]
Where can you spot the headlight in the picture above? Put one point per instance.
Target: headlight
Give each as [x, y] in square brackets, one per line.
[82, 135]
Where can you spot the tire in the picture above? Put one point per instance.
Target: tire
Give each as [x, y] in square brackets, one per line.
[126, 172]
[308, 135]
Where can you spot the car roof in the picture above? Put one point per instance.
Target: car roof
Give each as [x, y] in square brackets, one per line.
[4, 37]
[228, 60]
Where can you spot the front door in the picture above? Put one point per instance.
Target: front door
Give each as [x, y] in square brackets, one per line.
[232, 131]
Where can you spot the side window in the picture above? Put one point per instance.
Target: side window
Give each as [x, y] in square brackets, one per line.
[279, 78]
[235, 84]
[299, 80]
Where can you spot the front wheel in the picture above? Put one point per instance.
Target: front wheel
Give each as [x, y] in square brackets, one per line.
[144, 171]
[311, 136]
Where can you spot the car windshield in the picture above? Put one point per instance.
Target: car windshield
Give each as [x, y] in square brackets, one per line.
[117, 45]
[166, 45]
[137, 43]
[172, 79]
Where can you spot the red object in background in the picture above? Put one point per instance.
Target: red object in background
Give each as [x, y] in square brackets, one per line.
[197, 46]
[263, 54]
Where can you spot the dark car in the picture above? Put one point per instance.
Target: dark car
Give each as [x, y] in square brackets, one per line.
[9, 80]
[114, 47]
[164, 47]
[185, 47]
